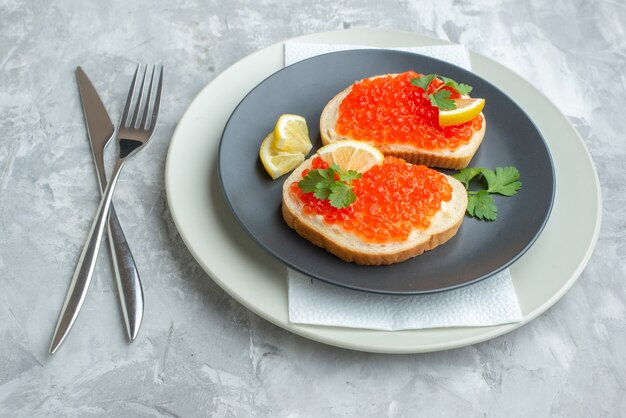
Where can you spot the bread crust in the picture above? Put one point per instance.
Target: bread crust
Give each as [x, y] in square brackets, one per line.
[458, 159]
[351, 248]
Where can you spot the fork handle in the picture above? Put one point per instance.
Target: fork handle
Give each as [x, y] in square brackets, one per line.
[86, 264]
[127, 277]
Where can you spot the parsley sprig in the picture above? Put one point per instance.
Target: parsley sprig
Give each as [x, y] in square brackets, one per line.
[331, 184]
[503, 181]
[440, 98]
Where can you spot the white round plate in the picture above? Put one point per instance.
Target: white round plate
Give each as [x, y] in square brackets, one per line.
[259, 282]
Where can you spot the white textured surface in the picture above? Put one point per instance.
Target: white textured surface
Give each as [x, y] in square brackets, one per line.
[490, 302]
[200, 353]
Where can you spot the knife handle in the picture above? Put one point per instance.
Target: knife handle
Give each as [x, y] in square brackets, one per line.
[127, 277]
[85, 266]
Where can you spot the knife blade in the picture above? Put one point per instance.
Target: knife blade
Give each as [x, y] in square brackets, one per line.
[100, 130]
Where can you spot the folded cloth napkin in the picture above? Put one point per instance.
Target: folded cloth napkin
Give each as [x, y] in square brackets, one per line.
[490, 302]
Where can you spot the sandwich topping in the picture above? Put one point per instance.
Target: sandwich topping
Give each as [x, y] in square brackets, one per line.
[390, 109]
[390, 201]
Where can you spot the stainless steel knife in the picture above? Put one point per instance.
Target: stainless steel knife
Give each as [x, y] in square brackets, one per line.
[100, 130]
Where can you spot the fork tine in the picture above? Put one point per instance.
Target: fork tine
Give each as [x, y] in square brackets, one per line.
[140, 99]
[157, 102]
[144, 117]
[129, 99]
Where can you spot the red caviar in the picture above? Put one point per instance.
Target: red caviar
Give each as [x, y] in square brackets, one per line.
[391, 110]
[392, 199]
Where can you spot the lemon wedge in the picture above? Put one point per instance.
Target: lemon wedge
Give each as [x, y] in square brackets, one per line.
[351, 155]
[466, 110]
[275, 161]
[291, 134]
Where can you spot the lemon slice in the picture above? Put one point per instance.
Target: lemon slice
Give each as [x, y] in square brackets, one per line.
[351, 155]
[466, 110]
[291, 134]
[275, 161]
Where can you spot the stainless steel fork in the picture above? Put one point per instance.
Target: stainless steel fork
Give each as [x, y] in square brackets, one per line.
[136, 127]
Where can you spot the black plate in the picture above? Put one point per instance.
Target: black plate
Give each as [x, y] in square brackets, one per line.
[478, 250]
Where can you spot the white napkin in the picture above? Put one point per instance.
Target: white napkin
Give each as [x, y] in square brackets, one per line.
[490, 302]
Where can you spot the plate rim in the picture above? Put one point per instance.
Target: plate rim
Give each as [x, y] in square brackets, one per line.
[382, 38]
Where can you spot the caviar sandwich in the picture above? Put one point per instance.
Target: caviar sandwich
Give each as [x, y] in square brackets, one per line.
[370, 209]
[424, 119]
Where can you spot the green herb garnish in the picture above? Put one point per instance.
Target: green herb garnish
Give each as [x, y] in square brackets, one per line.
[441, 98]
[331, 184]
[503, 181]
